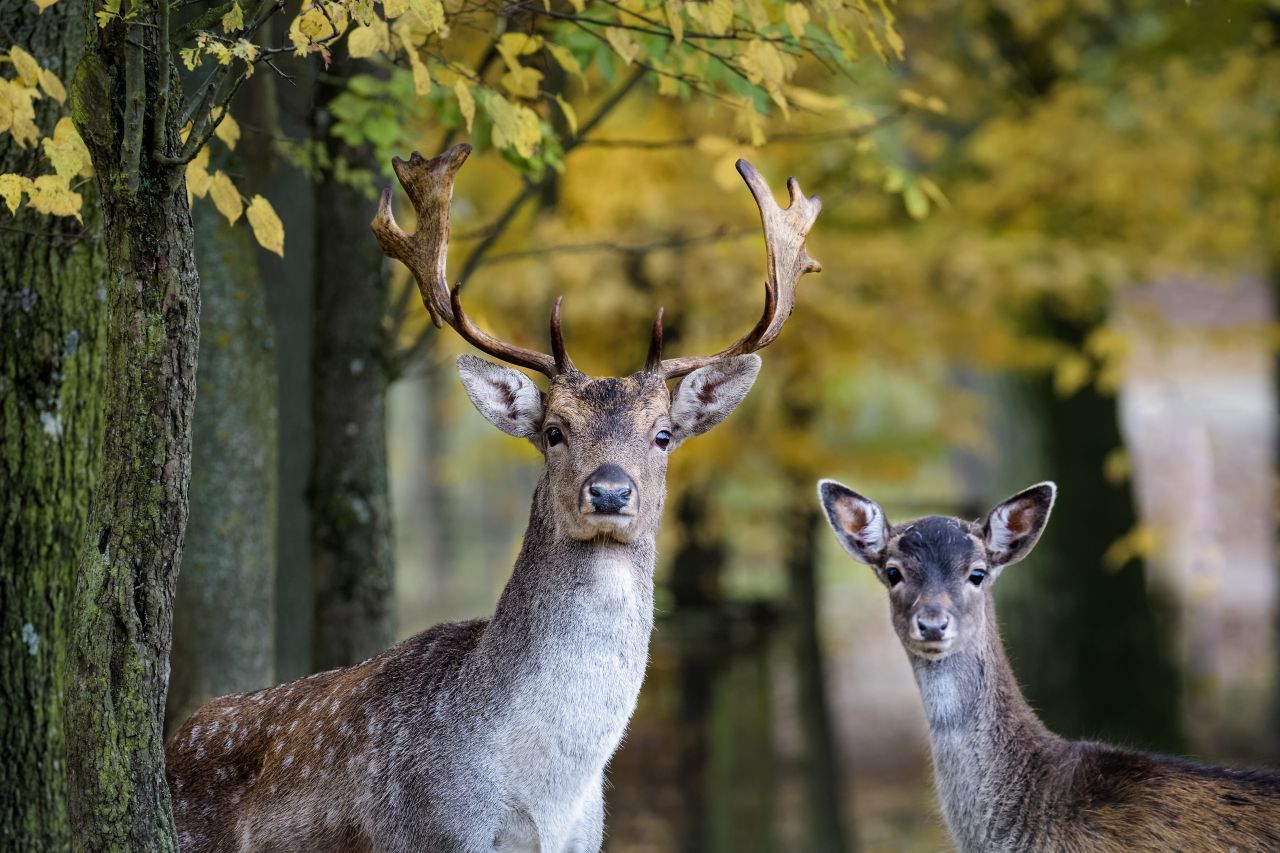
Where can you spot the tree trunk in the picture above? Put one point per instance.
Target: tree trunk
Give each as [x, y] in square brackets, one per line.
[288, 298]
[824, 792]
[350, 513]
[122, 610]
[50, 366]
[1087, 643]
[224, 615]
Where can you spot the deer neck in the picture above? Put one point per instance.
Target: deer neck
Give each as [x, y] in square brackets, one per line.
[989, 748]
[557, 570]
[570, 642]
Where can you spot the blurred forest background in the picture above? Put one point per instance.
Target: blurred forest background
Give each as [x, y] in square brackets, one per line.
[1050, 241]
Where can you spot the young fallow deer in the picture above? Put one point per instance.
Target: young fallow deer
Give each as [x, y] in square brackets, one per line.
[491, 734]
[1006, 783]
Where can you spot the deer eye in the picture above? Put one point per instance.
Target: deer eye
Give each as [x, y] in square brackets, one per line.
[662, 439]
[893, 576]
[554, 436]
[977, 576]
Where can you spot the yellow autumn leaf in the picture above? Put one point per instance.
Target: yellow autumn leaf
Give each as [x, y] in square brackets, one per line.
[522, 82]
[41, 5]
[578, 5]
[394, 8]
[674, 19]
[514, 126]
[808, 99]
[1070, 374]
[17, 112]
[225, 196]
[11, 189]
[565, 58]
[66, 151]
[26, 65]
[366, 41]
[430, 13]
[228, 130]
[233, 21]
[623, 44]
[52, 86]
[570, 117]
[267, 228]
[519, 44]
[797, 17]
[52, 195]
[421, 77]
[197, 175]
[466, 101]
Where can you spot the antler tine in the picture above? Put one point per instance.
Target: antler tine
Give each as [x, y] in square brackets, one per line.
[429, 185]
[784, 232]
[564, 364]
[653, 364]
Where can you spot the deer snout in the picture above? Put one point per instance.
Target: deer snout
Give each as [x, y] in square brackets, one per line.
[931, 624]
[609, 490]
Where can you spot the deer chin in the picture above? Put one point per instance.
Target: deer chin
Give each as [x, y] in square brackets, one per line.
[931, 650]
[601, 526]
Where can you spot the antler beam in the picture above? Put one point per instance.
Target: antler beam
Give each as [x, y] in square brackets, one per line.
[429, 185]
[784, 233]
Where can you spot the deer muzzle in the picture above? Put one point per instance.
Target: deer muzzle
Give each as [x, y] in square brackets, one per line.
[609, 491]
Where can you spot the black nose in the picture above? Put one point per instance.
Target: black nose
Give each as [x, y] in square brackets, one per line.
[609, 488]
[932, 624]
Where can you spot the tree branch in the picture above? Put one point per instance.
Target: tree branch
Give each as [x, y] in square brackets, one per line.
[720, 235]
[793, 136]
[135, 112]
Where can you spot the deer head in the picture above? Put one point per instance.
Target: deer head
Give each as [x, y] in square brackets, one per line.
[605, 440]
[939, 571]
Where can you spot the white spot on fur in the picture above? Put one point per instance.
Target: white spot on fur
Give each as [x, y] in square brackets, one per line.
[221, 773]
[329, 756]
[195, 733]
[288, 760]
[213, 727]
[293, 725]
[226, 744]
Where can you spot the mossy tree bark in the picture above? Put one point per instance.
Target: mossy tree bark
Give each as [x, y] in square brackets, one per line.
[350, 509]
[122, 610]
[50, 363]
[224, 614]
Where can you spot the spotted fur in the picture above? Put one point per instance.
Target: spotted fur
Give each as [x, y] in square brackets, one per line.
[486, 735]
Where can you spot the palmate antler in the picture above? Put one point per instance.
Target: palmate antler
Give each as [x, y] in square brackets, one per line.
[429, 185]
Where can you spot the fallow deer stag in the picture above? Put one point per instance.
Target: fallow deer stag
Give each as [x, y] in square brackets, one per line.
[491, 734]
[1006, 782]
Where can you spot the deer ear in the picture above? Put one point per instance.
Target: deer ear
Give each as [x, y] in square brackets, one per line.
[506, 397]
[706, 396]
[859, 523]
[1012, 529]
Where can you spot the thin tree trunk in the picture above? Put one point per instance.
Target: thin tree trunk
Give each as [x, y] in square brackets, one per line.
[1089, 646]
[350, 514]
[823, 776]
[122, 610]
[224, 615]
[289, 300]
[50, 395]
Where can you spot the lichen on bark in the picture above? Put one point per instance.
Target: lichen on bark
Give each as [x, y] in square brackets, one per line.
[50, 369]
